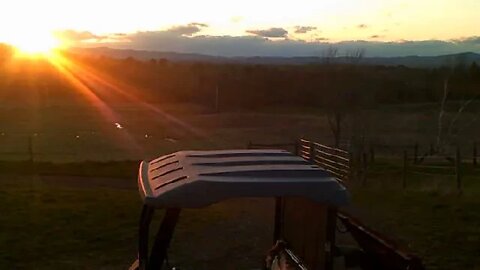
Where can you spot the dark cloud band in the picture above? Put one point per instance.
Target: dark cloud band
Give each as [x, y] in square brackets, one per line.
[274, 32]
[182, 40]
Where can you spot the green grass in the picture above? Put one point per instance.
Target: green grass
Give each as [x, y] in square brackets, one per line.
[55, 227]
[65, 224]
[429, 217]
[120, 169]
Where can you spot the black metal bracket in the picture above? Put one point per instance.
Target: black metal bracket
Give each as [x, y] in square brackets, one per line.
[162, 241]
[163, 238]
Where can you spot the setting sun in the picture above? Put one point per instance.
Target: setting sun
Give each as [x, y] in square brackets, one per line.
[35, 43]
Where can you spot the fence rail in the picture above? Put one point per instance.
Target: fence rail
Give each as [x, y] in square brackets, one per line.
[333, 160]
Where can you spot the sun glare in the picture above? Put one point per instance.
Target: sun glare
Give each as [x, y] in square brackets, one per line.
[36, 44]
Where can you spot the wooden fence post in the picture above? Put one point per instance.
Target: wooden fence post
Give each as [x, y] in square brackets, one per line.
[297, 147]
[405, 165]
[358, 162]
[458, 169]
[474, 161]
[351, 164]
[217, 110]
[415, 153]
[372, 154]
[364, 168]
[312, 152]
[30, 149]
[31, 154]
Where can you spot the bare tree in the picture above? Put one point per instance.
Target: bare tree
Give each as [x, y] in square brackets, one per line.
[329, 54]
[459, 64]
[354, 56]
[441, 114]
[338, 101]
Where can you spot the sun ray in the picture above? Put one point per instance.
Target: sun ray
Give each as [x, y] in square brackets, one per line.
[64, 66]
[130, 93]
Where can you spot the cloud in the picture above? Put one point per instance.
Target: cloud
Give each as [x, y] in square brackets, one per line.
[199, 24]
[377, 36]
[274, 32]
[187, 30]
[258, 45]
[362, 26]
[304, 29]
[77, 36]
[475, 40]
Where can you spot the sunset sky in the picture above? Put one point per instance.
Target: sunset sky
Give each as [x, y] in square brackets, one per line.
[266, 27]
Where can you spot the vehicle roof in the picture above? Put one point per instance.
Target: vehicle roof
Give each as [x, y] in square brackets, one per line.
[192, 179]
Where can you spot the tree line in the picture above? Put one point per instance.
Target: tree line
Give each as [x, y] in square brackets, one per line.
[248, 86]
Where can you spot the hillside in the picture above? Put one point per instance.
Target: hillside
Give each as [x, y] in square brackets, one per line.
[413, 61]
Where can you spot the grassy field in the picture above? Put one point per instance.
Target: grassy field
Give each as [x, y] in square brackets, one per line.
[66, 133]
[68, 222]
[80, 223]
[428, 217]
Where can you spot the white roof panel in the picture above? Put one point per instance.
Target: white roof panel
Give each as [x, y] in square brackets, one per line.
[190, 179]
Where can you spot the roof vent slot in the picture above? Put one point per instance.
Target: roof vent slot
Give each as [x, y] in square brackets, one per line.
[167, 172]
[164, 165]
[171, 182]
[252, 163]
[240, 154]
[161, 159]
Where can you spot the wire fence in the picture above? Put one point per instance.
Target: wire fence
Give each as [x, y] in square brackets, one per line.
[355, 164]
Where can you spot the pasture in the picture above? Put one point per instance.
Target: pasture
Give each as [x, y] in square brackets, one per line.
[89, 221]
[81, 211]
[73, 132]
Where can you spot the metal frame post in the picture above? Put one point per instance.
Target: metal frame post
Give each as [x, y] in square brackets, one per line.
[163, 238]
[278, 219]
[143, 231]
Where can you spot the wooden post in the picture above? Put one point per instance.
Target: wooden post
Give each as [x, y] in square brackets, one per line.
[312, 153]
[405, 166]
[432, 150]
[31, 158]
[415, 153]
[372, 154]
[358, 162]
[458, 169]
[474, 161]
[351, 164]
[297, 147]
[217, 110]
[364, 168]
[31, 155]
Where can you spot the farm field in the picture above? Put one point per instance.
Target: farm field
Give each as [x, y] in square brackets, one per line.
[69, 133]
[78, 207]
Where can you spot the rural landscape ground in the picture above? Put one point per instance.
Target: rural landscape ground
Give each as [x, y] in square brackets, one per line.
[384, 96]
[76, 206]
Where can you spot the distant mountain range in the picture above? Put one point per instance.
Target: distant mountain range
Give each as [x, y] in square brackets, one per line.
[466, 58]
